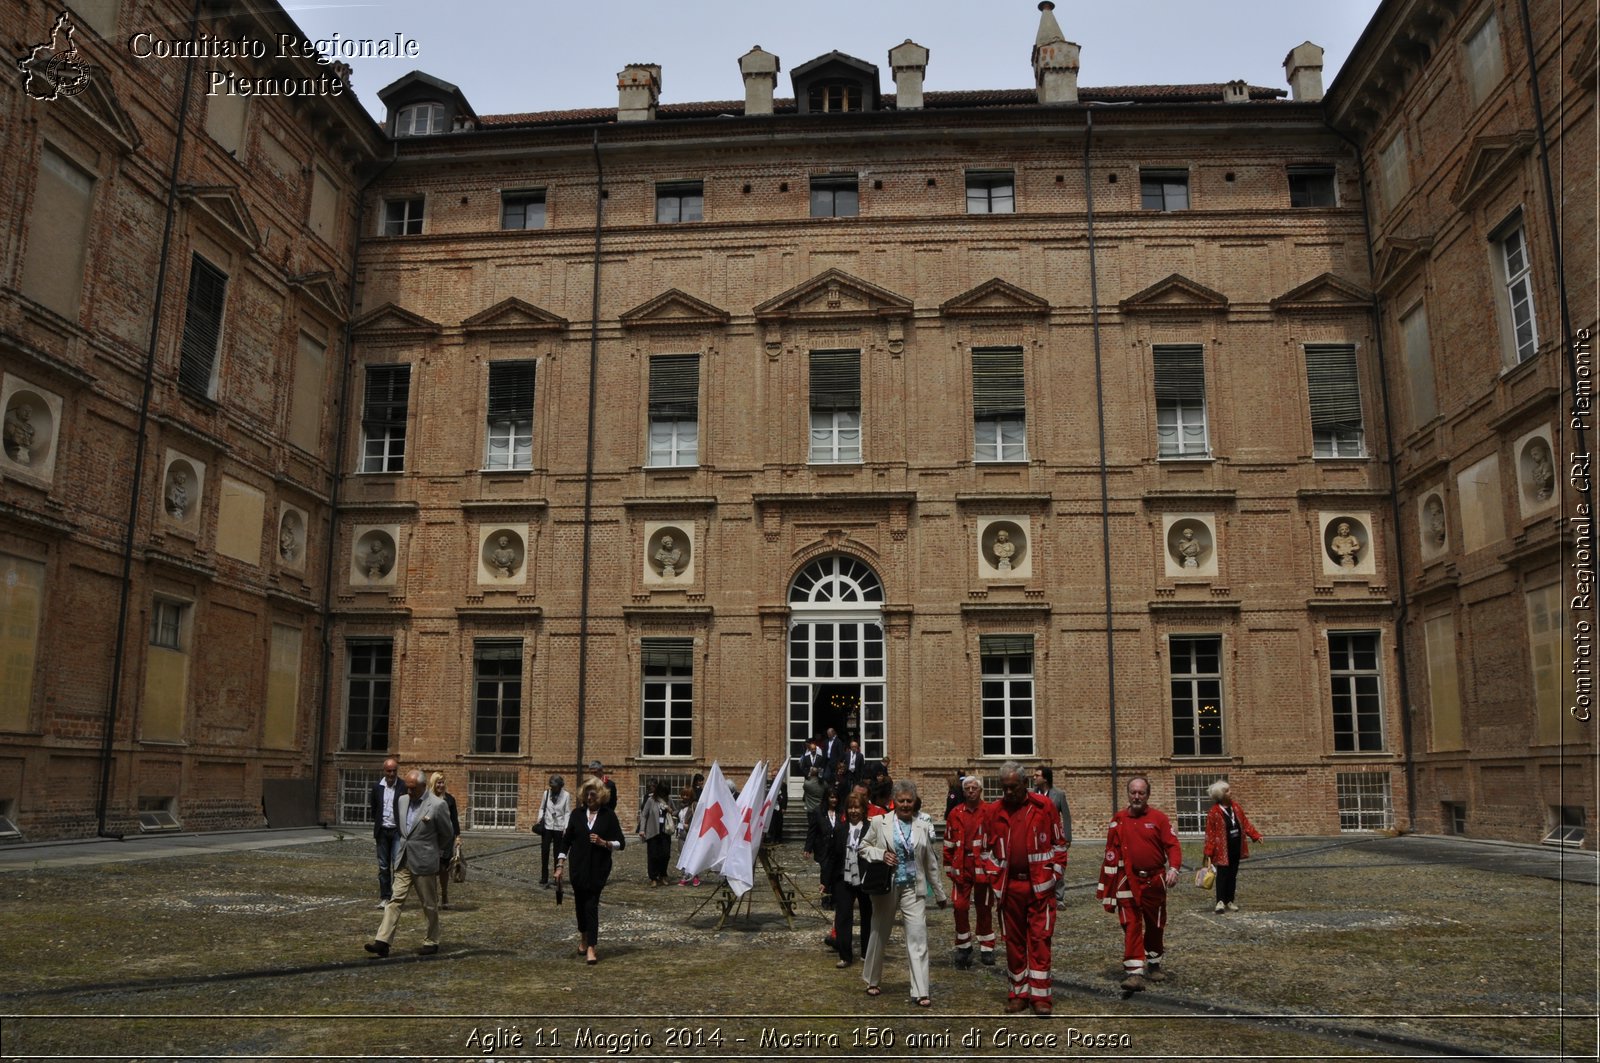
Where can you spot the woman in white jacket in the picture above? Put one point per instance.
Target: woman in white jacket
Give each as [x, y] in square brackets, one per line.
[554, 811]
[905, 842]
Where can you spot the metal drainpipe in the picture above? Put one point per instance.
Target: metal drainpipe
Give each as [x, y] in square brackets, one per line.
[1105, 489]
[1576, 423]
[588, 468]
[136, 494]
[1401, 659]
[341, 446]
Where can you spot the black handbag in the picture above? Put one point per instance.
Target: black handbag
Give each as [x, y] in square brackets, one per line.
[876, 877]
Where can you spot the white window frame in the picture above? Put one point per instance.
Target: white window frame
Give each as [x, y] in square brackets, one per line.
[674, 443]
[982, 186]
[526, 197]
[1514, 266]
[668, 718]
[1333, 442]
[492, 800]
[386, 453]
[1177, 421]
[1191, 800]
[684, 198]
[355, 807]
[403, 216]
[829, 429]
[508, 442]
[1169, 178]
[429, 115]
[1193, 680]
[1345, 682]
[1013, 703]
[169, 623]
[1366, 801]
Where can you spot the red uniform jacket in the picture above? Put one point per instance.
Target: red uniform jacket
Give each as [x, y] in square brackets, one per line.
[1047, 845]
[1135, 844]
[963, 843]
[1217, 834]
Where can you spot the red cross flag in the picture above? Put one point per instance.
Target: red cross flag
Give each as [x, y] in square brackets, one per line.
[738, 863]
[709, 830]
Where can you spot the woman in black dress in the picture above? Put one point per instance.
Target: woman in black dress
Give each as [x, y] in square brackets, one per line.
[584, 860]
[846, 864]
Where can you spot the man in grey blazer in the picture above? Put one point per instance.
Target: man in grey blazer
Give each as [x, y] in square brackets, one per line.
[425, 836]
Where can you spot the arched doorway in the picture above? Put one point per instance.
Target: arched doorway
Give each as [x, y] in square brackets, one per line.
[836, 670]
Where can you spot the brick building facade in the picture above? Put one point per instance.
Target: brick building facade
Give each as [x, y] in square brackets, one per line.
[674, 432]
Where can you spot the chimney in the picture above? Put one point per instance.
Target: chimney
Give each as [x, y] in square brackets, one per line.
[638, 89]
[909, 61]
[760, 70]
[1055, 60]
[1236, 92]
[1303, 68]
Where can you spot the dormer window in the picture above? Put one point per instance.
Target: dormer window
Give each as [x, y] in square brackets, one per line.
[420, 120]
[834, 97]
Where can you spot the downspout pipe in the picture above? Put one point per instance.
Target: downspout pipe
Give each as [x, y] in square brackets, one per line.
[136, 493]
[341, 448]
[1402, 661]
[587, 566]
[1105, 485]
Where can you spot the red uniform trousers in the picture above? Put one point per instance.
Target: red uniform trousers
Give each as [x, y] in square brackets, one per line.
[1146, 924]
[962, 896]
[1030, 920]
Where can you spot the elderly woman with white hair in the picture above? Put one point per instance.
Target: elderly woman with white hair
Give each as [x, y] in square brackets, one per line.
[904, 841]
[1226, 829]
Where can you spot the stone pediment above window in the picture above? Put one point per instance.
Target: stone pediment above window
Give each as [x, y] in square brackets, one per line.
[1490, 162]
[834, 294]
[224, 205]
[393, 322]
[513, 318]
[1398, 258]
[1326, 293]
[995, 298]
[675, 309]
[1176, 294]
[321, 290]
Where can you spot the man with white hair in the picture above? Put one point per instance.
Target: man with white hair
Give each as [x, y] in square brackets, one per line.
[963, 853]
[1025, 855]
[1142, 863]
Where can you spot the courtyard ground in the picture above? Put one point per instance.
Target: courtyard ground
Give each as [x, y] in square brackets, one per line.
[249, 947]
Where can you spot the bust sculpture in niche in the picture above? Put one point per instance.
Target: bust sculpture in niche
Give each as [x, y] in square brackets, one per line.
[376, 559]
[1189, 549]
[1004, 550]
[1345, 546]
[669, 557]
[178, 495]
[19, 432]
[1543, 478]
[504, 558]
[1433, 510]
[289, 538]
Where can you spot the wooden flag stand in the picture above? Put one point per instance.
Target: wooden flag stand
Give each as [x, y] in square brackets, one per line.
[784, 890]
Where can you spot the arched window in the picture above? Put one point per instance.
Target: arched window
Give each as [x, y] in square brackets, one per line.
[420, 120]
[834, 581]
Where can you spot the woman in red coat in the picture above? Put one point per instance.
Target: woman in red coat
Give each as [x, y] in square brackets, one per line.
[1226, 829]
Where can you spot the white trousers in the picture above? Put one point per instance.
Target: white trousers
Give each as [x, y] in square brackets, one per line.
[913, 908]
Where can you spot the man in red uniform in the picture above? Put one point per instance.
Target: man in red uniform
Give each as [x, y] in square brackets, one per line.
[1024, 855]
[1142, 862]
[963, 850]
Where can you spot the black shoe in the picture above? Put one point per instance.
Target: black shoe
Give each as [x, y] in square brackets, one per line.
[986, 958]
[427, 950]
[963, 958]
[379, 949]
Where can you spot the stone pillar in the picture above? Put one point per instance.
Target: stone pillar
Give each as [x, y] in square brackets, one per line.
[1303, 68]
[909, 61]
[638, 89]
[760, 70]
[1055, 60]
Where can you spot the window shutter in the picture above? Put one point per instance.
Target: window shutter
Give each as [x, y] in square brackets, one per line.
[388, 387]
[1005, 645]
[511, 391]
[675, 387]
[1180, 376]
[202, 326]
[671, 656]
[997, 384]
[1335, 396]
[497, 649]
[836, 380]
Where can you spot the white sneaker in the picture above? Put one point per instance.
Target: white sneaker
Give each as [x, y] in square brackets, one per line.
[1220, 908]
[1232, 907]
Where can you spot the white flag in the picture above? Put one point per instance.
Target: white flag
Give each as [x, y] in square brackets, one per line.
[769, 807]
[738, 862]
[712, 825]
